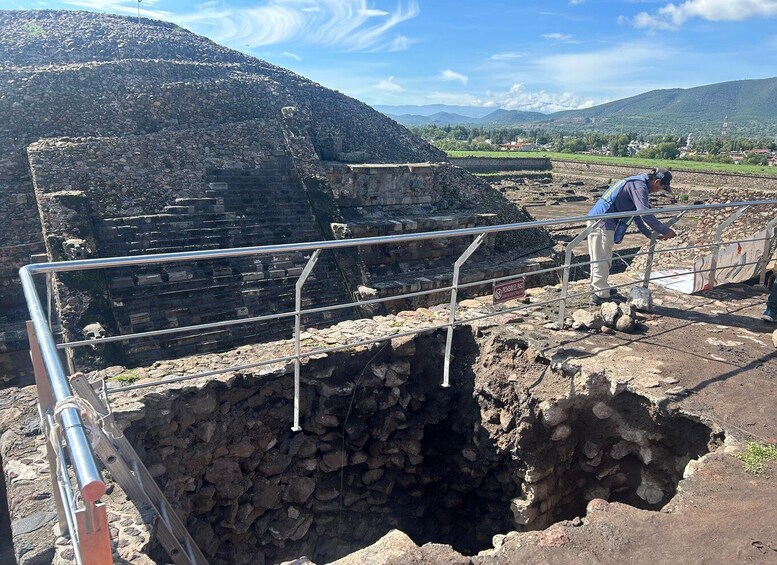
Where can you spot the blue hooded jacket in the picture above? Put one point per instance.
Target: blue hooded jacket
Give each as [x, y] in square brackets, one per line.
[624, 196]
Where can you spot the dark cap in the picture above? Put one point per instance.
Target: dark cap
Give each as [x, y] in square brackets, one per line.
[665, 176]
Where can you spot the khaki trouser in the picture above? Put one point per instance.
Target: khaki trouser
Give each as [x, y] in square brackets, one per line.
[600, 249]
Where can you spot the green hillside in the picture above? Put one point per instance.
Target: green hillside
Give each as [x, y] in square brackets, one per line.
[750, 105]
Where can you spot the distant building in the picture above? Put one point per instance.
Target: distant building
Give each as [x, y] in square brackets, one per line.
[635, 146]
[519, 146]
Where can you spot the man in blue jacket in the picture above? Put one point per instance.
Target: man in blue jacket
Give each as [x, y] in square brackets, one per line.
[624, 196]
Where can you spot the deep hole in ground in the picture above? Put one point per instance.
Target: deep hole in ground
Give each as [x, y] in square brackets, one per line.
[384, 446]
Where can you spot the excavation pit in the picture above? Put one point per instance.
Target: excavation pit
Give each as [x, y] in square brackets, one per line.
[384, 446]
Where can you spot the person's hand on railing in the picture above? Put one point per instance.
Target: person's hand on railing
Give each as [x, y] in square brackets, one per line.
[668, 235]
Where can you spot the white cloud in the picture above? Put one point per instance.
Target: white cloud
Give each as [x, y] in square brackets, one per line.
[607, 68]
[346, 28]
[454, 98]
[372, 13]
[129, 7]
[291, 55]
[448, 74]
[344, 24]
[389, 85]
[672, 16]
[557, 36]
[506, 56]
[575, 2]
[399, 43]
[517, 98]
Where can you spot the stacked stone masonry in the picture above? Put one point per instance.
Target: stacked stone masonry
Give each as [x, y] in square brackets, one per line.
[379, 200]
[750, 223]
[183, 190]
[70, 75]
[384, 446]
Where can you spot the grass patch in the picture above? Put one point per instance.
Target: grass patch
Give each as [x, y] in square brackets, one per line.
[33, 30]
[755, 456]
[126, 377]
[675, 165]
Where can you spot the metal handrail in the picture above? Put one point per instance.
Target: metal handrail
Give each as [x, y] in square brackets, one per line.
[90, 482]
[114, 262]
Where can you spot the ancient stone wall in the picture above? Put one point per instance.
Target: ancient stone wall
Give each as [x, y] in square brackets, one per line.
[695, 183]
[752, 221]
[384, 446]
[383, 185]
[497, 164]
[377, 437]
[20, 238]
[163, 193]
[134, 175]
[380, 200]
[143, 96]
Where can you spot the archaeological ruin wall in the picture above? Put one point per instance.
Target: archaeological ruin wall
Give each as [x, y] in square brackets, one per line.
[178, 191]
[384, 446]
[702, 232]
[70, 75]
[381, 200]
[208, 189]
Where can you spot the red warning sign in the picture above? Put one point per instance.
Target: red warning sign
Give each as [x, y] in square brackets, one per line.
[509, 290]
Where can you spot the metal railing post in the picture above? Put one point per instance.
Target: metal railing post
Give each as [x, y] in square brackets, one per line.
[49, 298]
[562, 306]
[649, 260]
[297, 324]
[90, 482]
[452, 316]
[765, 257]
[62, 484]
[652, 249]
[716, 245]
[46, 406]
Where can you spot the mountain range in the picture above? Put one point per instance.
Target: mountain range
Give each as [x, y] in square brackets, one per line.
[749, 105]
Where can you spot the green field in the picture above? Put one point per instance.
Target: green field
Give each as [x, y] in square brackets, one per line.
[627, 161]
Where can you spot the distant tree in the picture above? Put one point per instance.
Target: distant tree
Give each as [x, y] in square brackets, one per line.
[666, 150]
[459, 133]
[573, 145]
[619, 146]
[759, 159]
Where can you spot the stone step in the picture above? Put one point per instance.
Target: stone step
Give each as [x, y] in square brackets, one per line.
[433, 221]
[198, 201]
[408, 281]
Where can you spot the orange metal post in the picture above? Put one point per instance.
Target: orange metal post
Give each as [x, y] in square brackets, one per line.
[95, 537]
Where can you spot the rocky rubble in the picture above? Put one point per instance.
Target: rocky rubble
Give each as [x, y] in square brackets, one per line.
[610, 315]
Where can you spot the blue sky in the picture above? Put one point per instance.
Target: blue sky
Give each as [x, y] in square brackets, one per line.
[542, 55]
